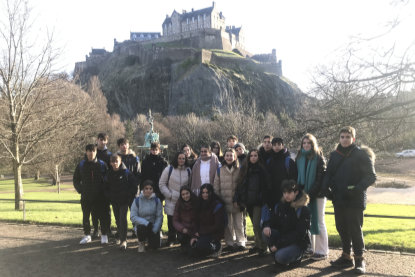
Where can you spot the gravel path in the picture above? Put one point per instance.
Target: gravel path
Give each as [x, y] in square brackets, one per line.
[31, 250]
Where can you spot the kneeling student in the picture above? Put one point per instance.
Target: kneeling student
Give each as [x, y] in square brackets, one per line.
[147, 217]
[287, 224]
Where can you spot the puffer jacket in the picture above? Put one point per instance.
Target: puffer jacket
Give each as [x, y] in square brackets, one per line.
[185, 215]
[148, 210]
[171, 190]
[151, 169]
[120, 186]
[252, 190]
[225, 186]
[88, 178]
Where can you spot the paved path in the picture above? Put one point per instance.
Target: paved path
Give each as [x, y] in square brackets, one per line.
[31, 250]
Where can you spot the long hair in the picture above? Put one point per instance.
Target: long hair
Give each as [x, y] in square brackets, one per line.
[246, 165]
[193, 198]
[215, 143]
[175, 162]
[212, 195]
[192, 153]
[235, 162]
[315, 149]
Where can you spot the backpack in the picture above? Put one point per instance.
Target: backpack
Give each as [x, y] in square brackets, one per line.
[137, 202]
[225, 217]
[171, 170]
[287, 163]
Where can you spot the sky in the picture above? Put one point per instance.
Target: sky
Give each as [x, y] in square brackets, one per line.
[305, 33]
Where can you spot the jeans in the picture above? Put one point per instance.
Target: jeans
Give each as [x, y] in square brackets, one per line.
[285, 255]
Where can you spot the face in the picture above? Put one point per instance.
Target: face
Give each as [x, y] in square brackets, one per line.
[124, 148]
[155, 151]
[278, 147]
[147, 191]
[346, 139]
[181, 159]
[253, 157]
[91, 155]
[205, 194]
[204, 152]
[186, 151]
[185, 195]
[239, 151]
[307, 144]
[231, 143]
[229, 157]
[101, 143]
[266, 143]
[215, 150]
[290, 196]
[116, 164]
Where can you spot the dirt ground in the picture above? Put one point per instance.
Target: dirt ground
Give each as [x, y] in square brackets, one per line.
[30, 250]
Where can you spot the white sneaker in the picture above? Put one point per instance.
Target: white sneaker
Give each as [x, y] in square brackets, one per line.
[123, 246]
[104, 239]
[141, 247]
[85, 239]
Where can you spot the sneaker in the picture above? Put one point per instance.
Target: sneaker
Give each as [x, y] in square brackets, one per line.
[262, 252]
[239, 248]
[141, 247]
[95, 234]
[104, 239]
[254, 250]
[117, 241]
[123, 246]
[308, 253]
[343, 262]
[85, 239]
[360, 265]
[318, 257]
[228, 248]
[217, 253]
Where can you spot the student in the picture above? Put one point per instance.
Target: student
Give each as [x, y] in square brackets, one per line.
[185, 217]
[231, 141]
[215, 146]
[280, 166]
[128, 157]
[175, 176]
[120, 186]
[265, 151]
[152, 167]
[225, 188]
[240, 152]
[190, 155]
[147, 217]
[211, 224]
[350, 172]
[286, 225]
[88, 180]
[204, 169]
[311, 167]
[250, 193]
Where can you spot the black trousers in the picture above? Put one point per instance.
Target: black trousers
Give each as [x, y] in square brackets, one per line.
[96, 206]
[172, 234]
[120, 214]
[184, 239]
[145, 233]
[204, 246]
[95, 217]
[349, 222]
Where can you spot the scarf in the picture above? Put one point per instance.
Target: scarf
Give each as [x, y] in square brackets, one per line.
[306, 178]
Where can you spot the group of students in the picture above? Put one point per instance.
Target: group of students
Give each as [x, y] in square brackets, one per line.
[206, 198]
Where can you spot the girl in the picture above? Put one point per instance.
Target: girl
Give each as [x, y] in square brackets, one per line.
[215, 146]
[190, 155]
[172, 179]
[311, 166]
[225, 187]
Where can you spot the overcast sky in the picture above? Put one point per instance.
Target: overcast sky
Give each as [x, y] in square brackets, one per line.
[305, 33]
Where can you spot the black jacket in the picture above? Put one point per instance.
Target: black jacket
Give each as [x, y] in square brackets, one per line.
[104, 155]
[264, 155]
[151, 169]
[279, 170]
[317, 188]
[88, 178]
[349, 175]
[253, 189]
[120, 186]
[291, 224]
[132, 162]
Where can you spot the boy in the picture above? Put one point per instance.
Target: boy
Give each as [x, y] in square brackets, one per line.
[350, 172]
[280, 167]
[265, 151]
[231, 141]
[286, 225]
[88, 180]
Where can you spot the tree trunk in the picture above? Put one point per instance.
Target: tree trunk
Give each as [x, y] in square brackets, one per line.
[58, 178]
[37, 176]
[18, 186]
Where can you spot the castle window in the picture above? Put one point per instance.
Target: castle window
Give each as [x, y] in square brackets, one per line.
[187, 20]
[193, 19]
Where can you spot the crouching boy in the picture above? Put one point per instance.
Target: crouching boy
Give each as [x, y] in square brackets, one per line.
[286, 225]
[147, 217]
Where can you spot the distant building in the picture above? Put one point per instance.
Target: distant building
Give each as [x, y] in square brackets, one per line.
[143, 36]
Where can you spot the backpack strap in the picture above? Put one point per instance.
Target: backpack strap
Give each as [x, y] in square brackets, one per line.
[81, 165]
[168, 176]
[218, 171]
[137, 203]
[299, 212]
[287, 164]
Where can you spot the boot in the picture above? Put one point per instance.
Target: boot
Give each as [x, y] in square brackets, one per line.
[359, 265]
[344, 261]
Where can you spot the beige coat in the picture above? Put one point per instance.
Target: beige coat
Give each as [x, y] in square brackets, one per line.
[225, 186]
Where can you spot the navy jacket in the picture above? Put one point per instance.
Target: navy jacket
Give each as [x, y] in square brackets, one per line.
[88, 178]
[120, 186]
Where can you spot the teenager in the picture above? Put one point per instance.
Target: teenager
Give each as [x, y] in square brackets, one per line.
[287, 224]
[185, 217]
[231, 141]
[204, 169]
[350, 172]
[211, 224]
[152, 167]
[215, 146]
[128, 157]
[88, 180]
[120, 187]
[280, 167]
[265, 151]
[190, 155]
[225, 188]
[175, 176]
[311, 166]
[147, 217]
[240, 152]
[250, 194]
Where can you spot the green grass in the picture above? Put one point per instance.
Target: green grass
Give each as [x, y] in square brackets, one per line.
[379, 233]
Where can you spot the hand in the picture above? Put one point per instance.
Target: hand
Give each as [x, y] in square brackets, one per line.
[273, 248]
[267, 231]
[192, 241]
[185, 231]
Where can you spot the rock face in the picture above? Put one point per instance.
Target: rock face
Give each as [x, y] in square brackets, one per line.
[178, 81]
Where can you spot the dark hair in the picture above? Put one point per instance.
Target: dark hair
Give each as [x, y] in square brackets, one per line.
[246, 165]
[193, 198]
[155, 145]
[205, 145]
[122, 141]
[289, 186]
[114, 157]
[91, 147]
[267, 136]
[215, 143]
[175, 162]
[192, 153]
[232, 137]
[102, 136]
[212, 195]
[277, 140]
[148, 182]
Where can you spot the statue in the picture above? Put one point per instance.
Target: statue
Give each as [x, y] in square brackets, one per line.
[150, 136]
